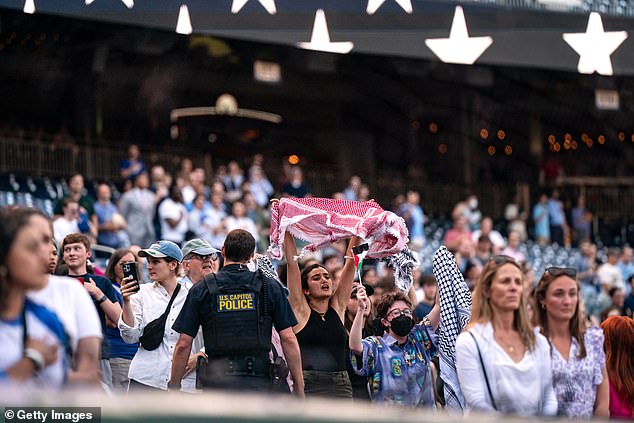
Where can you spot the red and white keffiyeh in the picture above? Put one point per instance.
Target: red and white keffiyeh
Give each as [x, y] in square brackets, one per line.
[321, 221]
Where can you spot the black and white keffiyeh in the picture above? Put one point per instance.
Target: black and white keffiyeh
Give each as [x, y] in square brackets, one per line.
[265, 265]
[403, 264]
[455, 312]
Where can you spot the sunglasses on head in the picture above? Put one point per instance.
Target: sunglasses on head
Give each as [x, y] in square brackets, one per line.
[562, 271]
[502, 259]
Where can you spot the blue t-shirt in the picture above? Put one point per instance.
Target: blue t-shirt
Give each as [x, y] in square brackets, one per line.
[127, 164]
[104, 214]
[422, 310]
[556, 213]
[542, 221]
[118, 347]
[108, 290]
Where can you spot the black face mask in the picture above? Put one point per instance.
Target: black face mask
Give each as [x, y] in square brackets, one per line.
[401, 325]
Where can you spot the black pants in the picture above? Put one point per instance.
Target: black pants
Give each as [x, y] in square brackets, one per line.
[557, 234]
[327, 384]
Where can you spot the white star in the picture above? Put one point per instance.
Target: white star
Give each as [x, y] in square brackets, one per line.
[373, 5]
[595, 46]
[29, 7]
[459, 47]
[269, 5]
[128, 3]
[184, 24]
[320, 40]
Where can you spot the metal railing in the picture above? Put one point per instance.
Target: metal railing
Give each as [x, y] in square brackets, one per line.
[100, 162]
[607, 198]
[604, 7]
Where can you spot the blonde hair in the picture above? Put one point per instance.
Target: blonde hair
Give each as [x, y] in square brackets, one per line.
[482, 311]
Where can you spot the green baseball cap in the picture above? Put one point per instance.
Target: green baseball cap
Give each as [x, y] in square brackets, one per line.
[198, 246]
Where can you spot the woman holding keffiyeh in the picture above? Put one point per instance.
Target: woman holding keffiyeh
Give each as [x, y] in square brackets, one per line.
[320, 314]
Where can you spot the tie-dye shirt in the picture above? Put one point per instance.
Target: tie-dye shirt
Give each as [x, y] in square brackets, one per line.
[575, 381]
[399, 374]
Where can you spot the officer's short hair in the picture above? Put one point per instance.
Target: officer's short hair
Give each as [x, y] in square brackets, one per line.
[239, 245]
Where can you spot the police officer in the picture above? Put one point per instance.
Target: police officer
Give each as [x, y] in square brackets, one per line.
[237, 309]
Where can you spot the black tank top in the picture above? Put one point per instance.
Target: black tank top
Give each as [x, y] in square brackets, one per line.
[322, 342]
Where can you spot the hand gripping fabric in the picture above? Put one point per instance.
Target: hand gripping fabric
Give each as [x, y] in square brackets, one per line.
[321, 221]
[455, 312]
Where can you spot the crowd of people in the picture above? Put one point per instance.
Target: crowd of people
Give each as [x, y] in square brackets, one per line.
[201, 293]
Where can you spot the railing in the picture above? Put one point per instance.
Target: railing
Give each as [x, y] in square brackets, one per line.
[605, 7]
[607, 198]
[100, 162]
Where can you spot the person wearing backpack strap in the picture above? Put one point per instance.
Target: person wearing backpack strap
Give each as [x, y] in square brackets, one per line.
[237, 309]
[149, 310]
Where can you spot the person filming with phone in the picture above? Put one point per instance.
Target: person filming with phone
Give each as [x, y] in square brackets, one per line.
[149, 310]
[123, 264]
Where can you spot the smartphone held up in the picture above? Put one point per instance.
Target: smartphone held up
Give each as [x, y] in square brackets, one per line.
[130, 269]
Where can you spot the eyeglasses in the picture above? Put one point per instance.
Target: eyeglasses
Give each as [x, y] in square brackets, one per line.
[212, 257]
[398, 313]
[562, 271]
[502, 259]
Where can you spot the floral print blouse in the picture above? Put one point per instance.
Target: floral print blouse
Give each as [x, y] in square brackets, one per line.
[575, 380]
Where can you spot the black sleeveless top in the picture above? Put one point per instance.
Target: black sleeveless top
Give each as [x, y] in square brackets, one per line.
[323, 342]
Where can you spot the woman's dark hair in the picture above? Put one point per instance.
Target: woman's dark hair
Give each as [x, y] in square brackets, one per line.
[175, 193]
[307, 270]
[62, 269]
[13, 220]
[367, 269]
[115, 258]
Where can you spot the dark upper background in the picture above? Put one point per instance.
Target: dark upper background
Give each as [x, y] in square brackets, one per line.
[389, 109]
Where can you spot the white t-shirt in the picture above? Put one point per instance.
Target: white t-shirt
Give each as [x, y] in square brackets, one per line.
[494, 236]
[41, 324]
[63, 227]
[610, 275]
[172, 210]
[214, 221]
[242, 223]
[67, 298]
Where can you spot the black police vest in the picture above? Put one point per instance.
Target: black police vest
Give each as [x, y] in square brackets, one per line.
[240, 322]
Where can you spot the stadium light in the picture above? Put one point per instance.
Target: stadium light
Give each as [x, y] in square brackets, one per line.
[269, 5]
[184, 23]
[373, 5]
[29, 7]
[320, 39]
[459, 47]
[595, 46]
